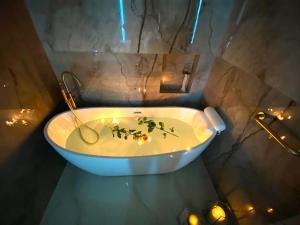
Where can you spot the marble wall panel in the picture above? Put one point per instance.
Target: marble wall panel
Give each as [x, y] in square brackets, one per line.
[266, 44]
[29, 91]
[247, 167]
[256, 70]
[131, 79]
[156, 26]
[84, 37]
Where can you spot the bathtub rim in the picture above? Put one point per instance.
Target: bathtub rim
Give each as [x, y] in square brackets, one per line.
[51, 142]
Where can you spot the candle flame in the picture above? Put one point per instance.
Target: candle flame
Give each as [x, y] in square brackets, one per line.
[270, 210]
[218, 213]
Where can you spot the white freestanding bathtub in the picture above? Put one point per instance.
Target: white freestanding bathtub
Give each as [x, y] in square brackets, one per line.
[206, 124]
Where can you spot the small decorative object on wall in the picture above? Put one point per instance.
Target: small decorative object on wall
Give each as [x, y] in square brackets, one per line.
[281, 134]
[173, 81]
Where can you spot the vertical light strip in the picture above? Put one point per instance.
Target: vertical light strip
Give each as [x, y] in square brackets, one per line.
[238, 20]
[122, 19]
[196, 21]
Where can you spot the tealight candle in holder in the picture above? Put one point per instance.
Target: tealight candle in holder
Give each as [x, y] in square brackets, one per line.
[193, 219]
[188, 217]
[217, 215]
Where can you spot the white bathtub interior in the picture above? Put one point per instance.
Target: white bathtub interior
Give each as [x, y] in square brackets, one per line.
[60, 127]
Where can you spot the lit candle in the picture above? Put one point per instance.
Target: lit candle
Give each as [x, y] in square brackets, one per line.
[193, 220]
[217, 214]
[250, 209]
[270, 210]
[283, 137]
[280, 117]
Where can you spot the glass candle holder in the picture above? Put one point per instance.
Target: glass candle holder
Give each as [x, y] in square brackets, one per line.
[217, 214]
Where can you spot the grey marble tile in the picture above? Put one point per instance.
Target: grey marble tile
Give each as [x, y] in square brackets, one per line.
[248, 167]
[84, 37]
[266, 44]
[29, 168]
[83, 198]
[121, 79]
[152, 27]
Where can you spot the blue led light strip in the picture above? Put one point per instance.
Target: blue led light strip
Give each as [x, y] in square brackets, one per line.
[122, 19]
[196, 21]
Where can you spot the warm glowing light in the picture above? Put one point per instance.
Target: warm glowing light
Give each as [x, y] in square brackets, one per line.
[188, 148]
[283, 137]
[18, 118]
[261, 115]
[24, 122]
[115, 120]
[149, 139]
[163, 80]
[250, 209]
[102, 120]
[217, 213]
[25, 111]
[139, 89]
[269, 109]
[193, 219]
[270, 210]
[141, 141]
[289, 117]
[280, 117]
[144, 90]
[11, 122]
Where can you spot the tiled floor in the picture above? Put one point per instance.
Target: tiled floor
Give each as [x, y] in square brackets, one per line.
[83, 198]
